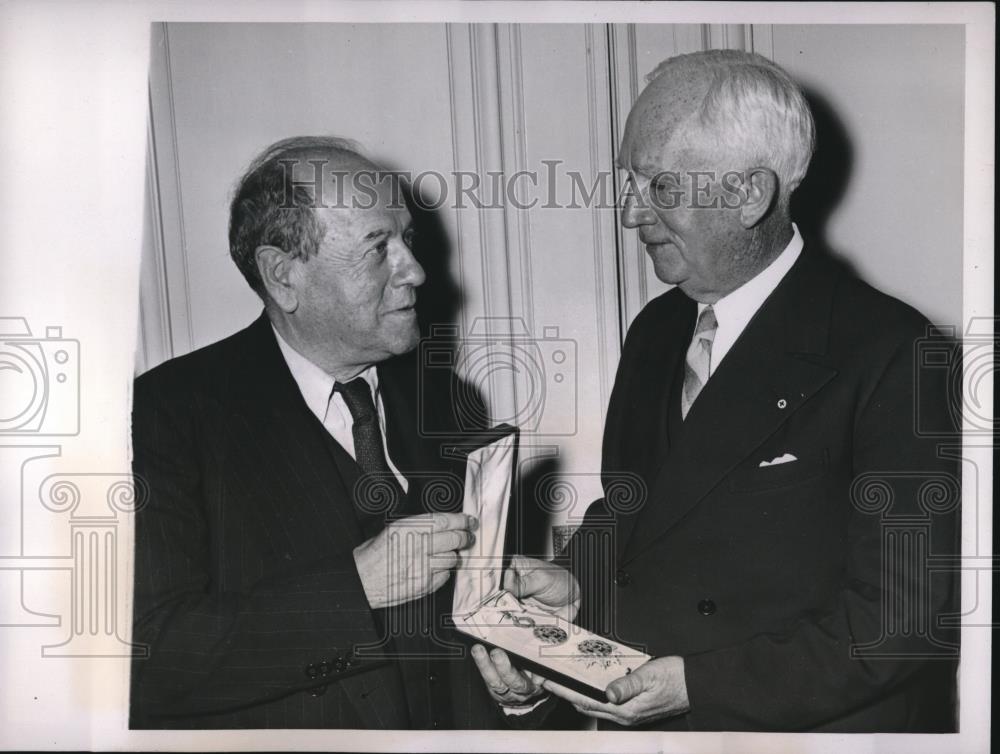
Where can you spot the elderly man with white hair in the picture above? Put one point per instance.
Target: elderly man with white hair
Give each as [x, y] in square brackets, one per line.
[779, 571]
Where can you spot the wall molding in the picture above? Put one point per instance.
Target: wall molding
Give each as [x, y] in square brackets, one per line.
[623, 78]
[489, 134]
[762, 40]
[483, 245]
[495, 246]
[513, 157]
[166, 325]
[727, 36]
[605, 222]
[155, 323]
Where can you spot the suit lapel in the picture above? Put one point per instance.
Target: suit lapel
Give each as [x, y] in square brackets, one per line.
[292, 440]
[417, 453]
[769, 373]
[306, 462]
[639, 446]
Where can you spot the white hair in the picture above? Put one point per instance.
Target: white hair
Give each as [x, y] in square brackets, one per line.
[754, 108]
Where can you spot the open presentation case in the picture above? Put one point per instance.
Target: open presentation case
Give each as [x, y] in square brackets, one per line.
[484, 612]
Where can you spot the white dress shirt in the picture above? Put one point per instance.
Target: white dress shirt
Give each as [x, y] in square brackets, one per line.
[316, 387]
[735, 310]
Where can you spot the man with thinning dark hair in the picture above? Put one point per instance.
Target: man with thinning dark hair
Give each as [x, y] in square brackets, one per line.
[289, 567]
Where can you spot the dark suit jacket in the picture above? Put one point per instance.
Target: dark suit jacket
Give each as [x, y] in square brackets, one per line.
[246, 589]
[770, 581]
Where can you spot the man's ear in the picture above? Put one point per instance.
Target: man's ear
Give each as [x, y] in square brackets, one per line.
[761, 193]
[275, 269]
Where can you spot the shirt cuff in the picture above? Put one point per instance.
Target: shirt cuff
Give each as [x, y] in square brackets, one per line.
[523, 710]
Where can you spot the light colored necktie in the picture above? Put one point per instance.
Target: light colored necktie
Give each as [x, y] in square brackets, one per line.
[698, 364]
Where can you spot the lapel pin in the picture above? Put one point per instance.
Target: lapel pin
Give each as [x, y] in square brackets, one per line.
[782, 403]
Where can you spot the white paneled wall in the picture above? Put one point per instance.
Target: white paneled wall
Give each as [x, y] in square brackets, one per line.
[551, 100]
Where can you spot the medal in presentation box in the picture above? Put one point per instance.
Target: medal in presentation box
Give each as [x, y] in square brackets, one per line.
[484, 612]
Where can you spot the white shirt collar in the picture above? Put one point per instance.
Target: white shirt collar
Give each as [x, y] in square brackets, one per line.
[735, 310]
[316, 385]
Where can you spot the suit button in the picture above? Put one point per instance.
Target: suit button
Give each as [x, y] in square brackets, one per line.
[318, 691]
[324, 668]
[623, 578]
[432, 677]
[706, 607]
[312, 671]
[436, 724]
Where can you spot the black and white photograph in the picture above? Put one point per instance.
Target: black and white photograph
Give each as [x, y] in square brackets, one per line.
[497, 376]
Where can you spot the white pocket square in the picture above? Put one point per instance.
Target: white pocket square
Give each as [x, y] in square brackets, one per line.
[786, 458]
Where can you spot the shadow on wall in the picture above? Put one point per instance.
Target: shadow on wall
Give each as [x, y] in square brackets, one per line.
[439, 299]
[826, 182]
[462, 403]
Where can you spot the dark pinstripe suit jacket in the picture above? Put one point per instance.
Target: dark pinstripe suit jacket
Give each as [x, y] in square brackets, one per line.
[246, 589]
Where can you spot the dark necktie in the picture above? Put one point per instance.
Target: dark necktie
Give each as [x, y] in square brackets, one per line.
[384, 491]
[410, 624]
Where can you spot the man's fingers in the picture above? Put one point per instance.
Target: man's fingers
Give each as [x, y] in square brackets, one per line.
[511, 578]
[447, 521]
[444, 562]
[440, 521]
[622, 715]
[510, 675]
[523, 566]
[622, 689]
[486, 668]
[573, 697]
[438, 579]
[521, 563]
[600, 714]
[533, 677]
[583, 703]
[452, 539]
[523, 578]
[553, 585]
